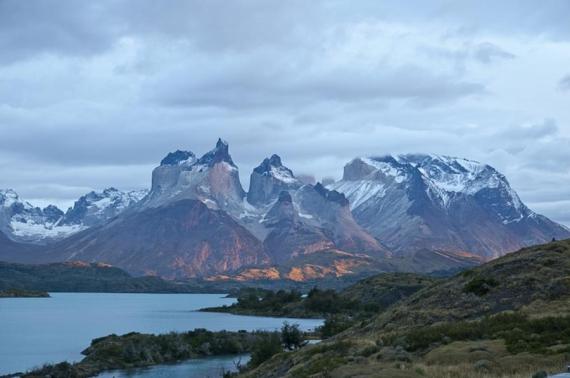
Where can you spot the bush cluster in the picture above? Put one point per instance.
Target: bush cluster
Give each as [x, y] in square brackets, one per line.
[520, 333]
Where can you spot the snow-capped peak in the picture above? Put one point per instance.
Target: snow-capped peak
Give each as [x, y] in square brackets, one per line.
[22, 221]
[96, 207]
[179, 157]
[218, 154]
[269, 179]
[442, 173]
[273, 167]
[442, 178]
[9, 197]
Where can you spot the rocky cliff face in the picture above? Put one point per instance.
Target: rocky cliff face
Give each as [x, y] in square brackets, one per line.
[439, 202]
[212, 179]
[268, 180]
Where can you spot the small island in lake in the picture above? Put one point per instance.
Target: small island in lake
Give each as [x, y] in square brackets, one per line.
[19, 293]
[134, 350]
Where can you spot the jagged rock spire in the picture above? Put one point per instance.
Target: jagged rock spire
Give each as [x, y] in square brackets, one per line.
[220, 153]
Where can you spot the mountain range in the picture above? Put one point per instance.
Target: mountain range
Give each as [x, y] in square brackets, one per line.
[24, 222]
[391, 213]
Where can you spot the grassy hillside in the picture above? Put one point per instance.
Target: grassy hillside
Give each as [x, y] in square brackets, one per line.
[507, 318]
[534, 280]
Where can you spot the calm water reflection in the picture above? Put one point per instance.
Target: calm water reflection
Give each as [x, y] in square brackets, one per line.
[206, 367]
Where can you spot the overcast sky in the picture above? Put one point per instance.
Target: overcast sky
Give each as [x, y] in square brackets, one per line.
[94, 94]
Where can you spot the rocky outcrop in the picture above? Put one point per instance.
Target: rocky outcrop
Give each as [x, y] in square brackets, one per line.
[212, 179]
[269, 179]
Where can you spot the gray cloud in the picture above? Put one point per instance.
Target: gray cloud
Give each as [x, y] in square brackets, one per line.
[300, 86]
[44, 27]
[488, 52]
[95, 94]
[564, 83]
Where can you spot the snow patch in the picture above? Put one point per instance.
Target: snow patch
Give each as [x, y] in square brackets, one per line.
[282, 174]
[359, 192]
[306, 216]
[32, 230]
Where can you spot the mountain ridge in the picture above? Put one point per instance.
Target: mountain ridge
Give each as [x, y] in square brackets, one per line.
[388, 213]
[415, 201]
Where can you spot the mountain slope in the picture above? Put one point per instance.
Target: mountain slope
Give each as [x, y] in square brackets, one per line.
[533, 280]
[412, 202]
[14, 251]
[182, 239]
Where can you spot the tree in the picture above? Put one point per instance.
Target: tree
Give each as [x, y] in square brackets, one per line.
[265, 347]
[335, 324]
[291, 336]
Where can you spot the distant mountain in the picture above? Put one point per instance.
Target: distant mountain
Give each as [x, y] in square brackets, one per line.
[24, 222]
[418, 213]
[95, 208]
[197, 222]
[413, 202]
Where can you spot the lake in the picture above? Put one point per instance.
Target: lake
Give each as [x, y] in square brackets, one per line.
[34, 331]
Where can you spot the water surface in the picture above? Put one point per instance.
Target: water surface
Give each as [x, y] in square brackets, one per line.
[34, 331]
[203, 367]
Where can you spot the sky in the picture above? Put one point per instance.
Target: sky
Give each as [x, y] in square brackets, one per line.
[95, 94]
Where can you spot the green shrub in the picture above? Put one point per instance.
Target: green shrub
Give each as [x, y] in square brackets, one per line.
[291, 336]
[520, 333]
[480, 286]
[335, 324]
[264, 348]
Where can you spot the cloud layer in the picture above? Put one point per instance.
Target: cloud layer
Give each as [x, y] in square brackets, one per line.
[95, 94]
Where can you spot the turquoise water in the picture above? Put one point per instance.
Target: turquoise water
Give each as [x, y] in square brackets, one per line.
[34, 331]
